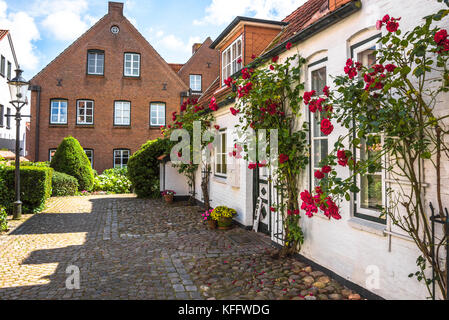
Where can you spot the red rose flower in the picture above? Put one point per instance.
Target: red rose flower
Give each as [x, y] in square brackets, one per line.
[272, 209]
[252, 166]
[239, 60]
[390, 67]
[386, 18]
[234, 111]
[326, 91]
[307, 96]
[213, 104]
[326, 169]
[326, 126]
[253, 56]
[379, 24]
[288, 46]
[217, 127]
[342, 158]
[275, 59]
[440, 37]
[283, 158]
[392, 26]
[319, 175]
[271, 67]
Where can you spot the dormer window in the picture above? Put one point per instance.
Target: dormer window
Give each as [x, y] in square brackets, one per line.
[231, 59]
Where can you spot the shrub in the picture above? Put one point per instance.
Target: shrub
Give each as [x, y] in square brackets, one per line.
[35, 187]
[113, 181]
[71, 159]
[63, 185]
[3, 221]
[143, 167]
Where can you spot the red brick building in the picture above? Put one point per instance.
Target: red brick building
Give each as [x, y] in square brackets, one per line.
[109, 89]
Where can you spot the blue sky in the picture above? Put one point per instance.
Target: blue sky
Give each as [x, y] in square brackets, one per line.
[41, 29]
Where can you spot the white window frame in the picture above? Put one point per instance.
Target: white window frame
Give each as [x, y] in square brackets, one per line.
[96, 65]
[130, 71]
[220, 151]
[59, 114]
[311, 69]
[121, 153]
[230, 66]
[157, 109]
[91, 157]
[50, 151]
[196, 85]
[119, 112]
[358, 210]
[79, 106]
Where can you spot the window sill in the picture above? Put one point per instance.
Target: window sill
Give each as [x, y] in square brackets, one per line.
[62, 125]
[121, 127]
[367, 226]
[85, 126]
[132, 77]
[95, 75]
[220, 179]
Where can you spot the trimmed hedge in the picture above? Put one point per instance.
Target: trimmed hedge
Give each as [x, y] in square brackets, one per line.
[71, 159]
[35, 188]
[3, 221]
[143, 167]
[63, 185]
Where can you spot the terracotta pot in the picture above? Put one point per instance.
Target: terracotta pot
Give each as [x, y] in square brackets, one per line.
[212, 224]
[168, 198]
[224, 223]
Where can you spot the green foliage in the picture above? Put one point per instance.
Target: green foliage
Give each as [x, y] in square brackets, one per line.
[71, 159]
[269, 98]
[63, 185]
[113, 181]
[3, 221]
[35, 187]
[143, 167]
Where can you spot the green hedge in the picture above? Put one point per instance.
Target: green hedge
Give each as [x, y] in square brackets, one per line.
[113, 181]
[3, 221]
[35, 187]
[63, 185]
[143, 167]
[71, 159]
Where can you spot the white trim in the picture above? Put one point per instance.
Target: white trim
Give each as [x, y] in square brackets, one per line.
[233, 57]
[59, 114]
[134, 58]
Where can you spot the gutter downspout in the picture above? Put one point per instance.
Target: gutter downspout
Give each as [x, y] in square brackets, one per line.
[38, 111]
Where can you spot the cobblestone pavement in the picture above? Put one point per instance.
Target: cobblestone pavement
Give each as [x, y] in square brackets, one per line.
[129, 248]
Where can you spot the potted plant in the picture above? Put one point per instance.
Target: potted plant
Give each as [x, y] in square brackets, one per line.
[223, 215]
[207, 217]
[168, 195]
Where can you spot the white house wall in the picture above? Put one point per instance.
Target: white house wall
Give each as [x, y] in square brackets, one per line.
[354, 248]
[174, 180]
[221, 190]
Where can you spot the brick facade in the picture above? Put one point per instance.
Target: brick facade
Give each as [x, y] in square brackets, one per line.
[66, 78]
[204, 62]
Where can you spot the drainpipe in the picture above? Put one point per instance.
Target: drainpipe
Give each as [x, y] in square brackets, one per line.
[38, 112]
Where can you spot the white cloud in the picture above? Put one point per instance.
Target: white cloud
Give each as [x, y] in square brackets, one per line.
[173, 47]
[65, 20]
[24, 32]
[224, 11]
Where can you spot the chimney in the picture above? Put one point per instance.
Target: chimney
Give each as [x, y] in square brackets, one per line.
[335, 4]
[195, 47]
[115, 8]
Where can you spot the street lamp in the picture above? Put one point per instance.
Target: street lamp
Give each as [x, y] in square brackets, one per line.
[18, 88]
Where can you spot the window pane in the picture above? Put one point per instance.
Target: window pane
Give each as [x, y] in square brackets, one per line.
[371, 192]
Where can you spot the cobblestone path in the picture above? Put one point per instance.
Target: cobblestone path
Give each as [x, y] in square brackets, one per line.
[129, 248]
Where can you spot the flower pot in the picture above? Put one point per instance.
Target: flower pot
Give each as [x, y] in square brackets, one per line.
[212, 224]
[168, 198]
[224, 223]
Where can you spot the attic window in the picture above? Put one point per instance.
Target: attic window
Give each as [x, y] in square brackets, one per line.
[115, 29]
[232, 59]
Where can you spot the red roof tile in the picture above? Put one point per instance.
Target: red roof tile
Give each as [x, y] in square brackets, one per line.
[3, 33]
[176, 66]
[302, 17]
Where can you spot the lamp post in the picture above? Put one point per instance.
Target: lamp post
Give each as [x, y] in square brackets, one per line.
[18, 88]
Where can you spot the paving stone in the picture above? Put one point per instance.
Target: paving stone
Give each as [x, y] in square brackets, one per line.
[129, 248]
